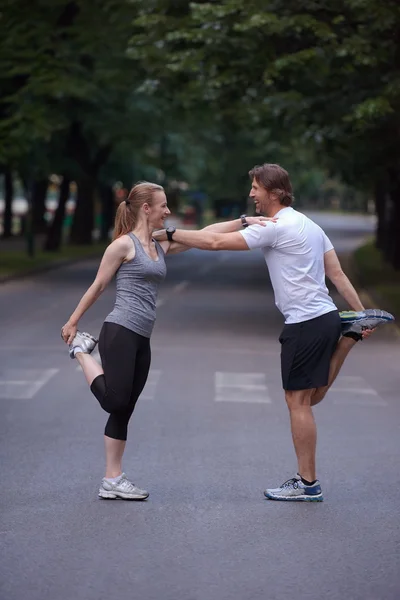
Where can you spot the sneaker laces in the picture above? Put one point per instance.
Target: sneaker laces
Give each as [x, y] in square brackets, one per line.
[86, 335]
[127, 485]
[293, 482]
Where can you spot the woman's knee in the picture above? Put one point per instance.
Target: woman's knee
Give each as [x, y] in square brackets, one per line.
[110, 400]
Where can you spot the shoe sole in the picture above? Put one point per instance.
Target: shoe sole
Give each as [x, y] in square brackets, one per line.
[348, 317]
[296, 498]
[113, 496]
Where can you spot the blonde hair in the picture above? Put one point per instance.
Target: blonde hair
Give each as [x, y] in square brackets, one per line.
[128, 210]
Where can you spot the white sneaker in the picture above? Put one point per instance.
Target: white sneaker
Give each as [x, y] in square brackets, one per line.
[123, 488]
[85, 341]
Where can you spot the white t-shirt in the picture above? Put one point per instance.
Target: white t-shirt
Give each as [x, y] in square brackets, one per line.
[294, 249]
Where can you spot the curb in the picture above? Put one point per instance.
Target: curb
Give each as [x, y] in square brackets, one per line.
[369, 297]
[48, 267]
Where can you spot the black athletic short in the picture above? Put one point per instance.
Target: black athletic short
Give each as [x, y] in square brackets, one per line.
[307, 349]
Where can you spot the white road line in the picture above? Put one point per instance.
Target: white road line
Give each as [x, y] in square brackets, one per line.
[151, 385]
[207, 268]
[354, 400]
[355, 390]
[183, 348]
[24, 389]
[181, 286]
[241, 387]
[150, 388]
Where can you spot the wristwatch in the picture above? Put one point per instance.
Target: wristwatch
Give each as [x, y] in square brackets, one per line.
[170, 232]
[243, 219]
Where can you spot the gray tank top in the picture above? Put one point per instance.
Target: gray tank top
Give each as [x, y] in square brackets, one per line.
[137, 288]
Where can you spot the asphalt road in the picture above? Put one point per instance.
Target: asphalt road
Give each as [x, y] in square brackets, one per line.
[209, 434]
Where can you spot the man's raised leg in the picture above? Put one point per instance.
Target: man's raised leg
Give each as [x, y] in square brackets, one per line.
[343, 348]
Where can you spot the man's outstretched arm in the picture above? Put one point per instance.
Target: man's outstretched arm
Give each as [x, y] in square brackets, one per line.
[217, 236]
[207, 240]
[235, 224]
[340, 280]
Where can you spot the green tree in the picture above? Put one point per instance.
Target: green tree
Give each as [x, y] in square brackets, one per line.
[329, 72]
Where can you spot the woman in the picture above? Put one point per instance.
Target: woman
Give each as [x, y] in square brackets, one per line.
[124, 341]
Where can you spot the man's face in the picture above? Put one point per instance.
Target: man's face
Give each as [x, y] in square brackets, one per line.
[260, 196]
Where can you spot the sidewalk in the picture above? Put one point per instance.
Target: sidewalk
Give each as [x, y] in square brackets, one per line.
[14, 254]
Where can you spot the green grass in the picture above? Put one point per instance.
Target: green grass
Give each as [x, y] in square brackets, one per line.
[378, 277]
[17, 262]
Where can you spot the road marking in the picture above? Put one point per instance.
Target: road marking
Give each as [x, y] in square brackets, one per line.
[352, 389]
[23, 384]
[207, 268]
[180, 286]
[241, 387]
[151, 385]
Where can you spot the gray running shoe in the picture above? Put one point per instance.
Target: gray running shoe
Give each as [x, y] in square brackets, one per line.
[294, 490]
[371, 318]
[123, 488]
[85, 341]
[354, 316]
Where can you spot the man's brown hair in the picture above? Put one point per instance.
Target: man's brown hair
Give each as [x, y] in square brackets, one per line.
[274, 179]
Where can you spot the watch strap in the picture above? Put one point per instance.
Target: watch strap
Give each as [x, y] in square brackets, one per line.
[243, 219]
[170, 234]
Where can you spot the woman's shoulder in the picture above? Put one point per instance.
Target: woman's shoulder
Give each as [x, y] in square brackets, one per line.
[122, 246]
[123, 241]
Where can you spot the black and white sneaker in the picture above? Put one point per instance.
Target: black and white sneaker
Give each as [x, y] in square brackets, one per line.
[86, 342]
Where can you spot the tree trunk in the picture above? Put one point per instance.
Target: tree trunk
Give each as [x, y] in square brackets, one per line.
[39, 193]
[395, 228]
[108, 209]
[83, 221]
[29, 231]
[54, 236]
[8, 198]
[381, 214]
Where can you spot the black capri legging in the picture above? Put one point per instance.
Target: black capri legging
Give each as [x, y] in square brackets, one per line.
[126, 357]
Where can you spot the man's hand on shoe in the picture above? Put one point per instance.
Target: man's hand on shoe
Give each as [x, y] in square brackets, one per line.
[366, 333]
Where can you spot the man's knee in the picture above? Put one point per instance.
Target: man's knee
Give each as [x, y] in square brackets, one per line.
[318, 396]
[298, 398]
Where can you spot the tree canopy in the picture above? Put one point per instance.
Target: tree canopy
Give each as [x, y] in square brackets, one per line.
[200, 91]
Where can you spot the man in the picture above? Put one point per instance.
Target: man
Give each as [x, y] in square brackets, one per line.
[298, 255]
